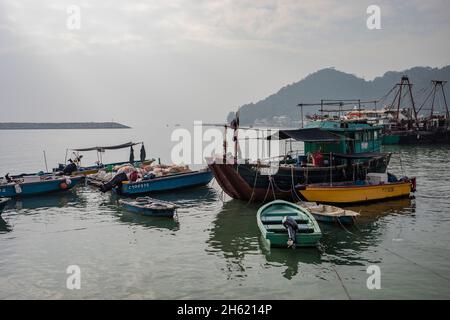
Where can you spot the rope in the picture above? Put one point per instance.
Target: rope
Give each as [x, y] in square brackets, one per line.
[342, 283]
[267, 191]
[254, 186]
[400, 256]
[271, 184]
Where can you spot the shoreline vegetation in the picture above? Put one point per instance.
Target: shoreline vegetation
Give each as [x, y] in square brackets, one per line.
[60, 125]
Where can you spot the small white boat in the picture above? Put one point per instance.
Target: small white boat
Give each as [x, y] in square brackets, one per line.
[330, 214]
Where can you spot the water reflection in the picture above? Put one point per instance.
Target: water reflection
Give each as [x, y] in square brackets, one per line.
[348, 245]
[149, 222]
[184, 199]
[234, 234]
[4, 226]
[291, 260]
[56, 200]
[187, 198]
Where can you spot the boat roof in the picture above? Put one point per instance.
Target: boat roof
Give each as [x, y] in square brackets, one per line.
[345, 126]
[114, 147]
[362, 155]
[306, 135]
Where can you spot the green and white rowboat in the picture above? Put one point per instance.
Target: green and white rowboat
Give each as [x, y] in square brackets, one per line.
[270, 216]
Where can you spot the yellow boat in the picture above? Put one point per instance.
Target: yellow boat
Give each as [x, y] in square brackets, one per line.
[355, 193]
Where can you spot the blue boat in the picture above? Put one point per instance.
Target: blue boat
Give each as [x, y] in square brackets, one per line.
[3, 202]
[167, 183]
[150, 207]
[35, 185]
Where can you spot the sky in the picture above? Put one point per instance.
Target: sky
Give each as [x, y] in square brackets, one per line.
[153, 62]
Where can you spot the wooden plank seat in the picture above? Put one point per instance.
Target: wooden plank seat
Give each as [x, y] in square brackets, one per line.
[279, 228]
[277, 220]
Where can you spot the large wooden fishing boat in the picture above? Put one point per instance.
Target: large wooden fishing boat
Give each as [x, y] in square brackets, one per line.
[348, 150]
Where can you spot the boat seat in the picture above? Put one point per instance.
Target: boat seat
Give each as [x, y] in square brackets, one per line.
[278, 219]
[279, 228]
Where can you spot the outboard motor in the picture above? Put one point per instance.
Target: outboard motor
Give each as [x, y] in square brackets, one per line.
[291, 225]
[114, 182]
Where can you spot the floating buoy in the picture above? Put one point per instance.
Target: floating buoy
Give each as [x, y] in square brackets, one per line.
[63, 185]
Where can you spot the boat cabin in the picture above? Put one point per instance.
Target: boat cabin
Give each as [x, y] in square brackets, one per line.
[354, 137]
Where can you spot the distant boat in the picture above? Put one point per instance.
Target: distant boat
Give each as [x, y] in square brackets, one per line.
[354, 192]
[87, 170]
[3, 202]
[270, 222]
[330, 214]
[35, 185]
[167, 183]
[149, 207]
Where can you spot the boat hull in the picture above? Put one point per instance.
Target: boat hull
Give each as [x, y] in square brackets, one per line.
[167, 183]
[279, 239]
[37, 188]
[168, 213]
[248, 182]
[356, 194]
[417, 137]
[329, 219]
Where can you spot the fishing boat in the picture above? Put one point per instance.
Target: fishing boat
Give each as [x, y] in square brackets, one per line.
[3, 202]
[150, 207]
[330, 214]
[357, 191]
[333, 150]
[166, 183]
[87, 170]
[272, 217]
[35, 185]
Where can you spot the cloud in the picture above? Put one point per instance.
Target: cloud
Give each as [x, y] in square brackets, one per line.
[139, 57]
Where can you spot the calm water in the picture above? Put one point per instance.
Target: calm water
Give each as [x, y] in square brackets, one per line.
[214, 249]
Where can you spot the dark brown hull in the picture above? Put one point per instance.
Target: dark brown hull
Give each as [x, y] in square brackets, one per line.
[246, 181]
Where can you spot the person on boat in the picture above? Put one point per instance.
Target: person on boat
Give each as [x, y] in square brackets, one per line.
[116, 181]
[69, 169]
[317, 158]
[126, 173]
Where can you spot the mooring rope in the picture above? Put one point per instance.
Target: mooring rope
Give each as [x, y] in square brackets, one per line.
[342, 283]
[254, 186]
[400, 256]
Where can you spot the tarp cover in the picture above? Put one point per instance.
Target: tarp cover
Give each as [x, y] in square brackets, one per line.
[307, 135]
[116, 147]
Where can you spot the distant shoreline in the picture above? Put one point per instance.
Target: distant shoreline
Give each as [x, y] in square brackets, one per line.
[60, 125]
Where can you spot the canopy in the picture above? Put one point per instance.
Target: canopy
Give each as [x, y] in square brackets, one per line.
[362, 155]
[116, 147]
[306, 135]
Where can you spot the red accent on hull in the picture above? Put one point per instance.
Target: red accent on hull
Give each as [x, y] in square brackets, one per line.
[236, 187]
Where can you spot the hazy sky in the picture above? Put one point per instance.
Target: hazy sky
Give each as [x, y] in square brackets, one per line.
[175, 61]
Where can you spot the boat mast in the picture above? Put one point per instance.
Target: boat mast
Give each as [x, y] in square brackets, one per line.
[412, 112]
[436, 84]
